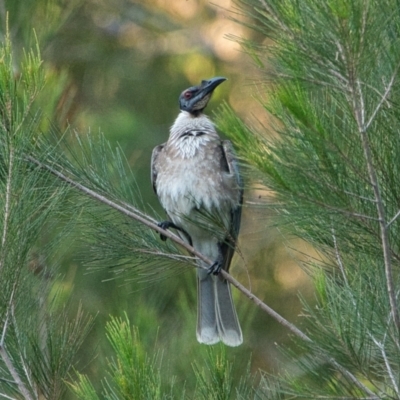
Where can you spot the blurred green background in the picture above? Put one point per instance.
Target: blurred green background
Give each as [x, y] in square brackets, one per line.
[118, 67]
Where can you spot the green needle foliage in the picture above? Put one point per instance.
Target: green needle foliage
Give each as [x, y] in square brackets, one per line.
[331, 72]
[38, 344]
[330, 75]
[215, 380]
[132, 374]
[115, 241]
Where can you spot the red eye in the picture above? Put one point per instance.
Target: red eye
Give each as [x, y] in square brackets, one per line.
[187, 95]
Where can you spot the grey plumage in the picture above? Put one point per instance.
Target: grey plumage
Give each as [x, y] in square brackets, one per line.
[196, 178]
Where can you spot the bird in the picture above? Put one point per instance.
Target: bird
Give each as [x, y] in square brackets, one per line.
[196, 178]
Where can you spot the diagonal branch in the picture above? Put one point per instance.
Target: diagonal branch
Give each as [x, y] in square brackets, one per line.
[142, 218]
[384, 97]
[393, 219]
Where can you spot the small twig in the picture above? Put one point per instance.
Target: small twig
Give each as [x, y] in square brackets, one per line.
[339, 259]
[7, 207]
[384, 97]
[10, 366]
[380, 346]
[388, 367]
[341, 266]
[7, 397]
[359, 114]
[393, 219]
[21, 354]
[9, 308]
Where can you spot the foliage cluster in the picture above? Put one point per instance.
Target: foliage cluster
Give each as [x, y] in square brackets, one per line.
[330, 69]
[333, 69]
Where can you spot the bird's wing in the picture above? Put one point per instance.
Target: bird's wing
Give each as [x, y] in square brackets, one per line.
[228, 248]
[154, 165]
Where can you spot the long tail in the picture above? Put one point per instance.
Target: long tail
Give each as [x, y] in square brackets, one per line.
[216, 315]
[227, 319]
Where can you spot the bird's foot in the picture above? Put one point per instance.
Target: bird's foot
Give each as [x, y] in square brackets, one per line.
[166, 225]
[215, 268]
[169, 224]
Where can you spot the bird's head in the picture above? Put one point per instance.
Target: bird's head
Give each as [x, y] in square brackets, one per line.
[195, 98]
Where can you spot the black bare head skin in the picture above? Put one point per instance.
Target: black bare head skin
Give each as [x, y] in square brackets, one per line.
[195, 98]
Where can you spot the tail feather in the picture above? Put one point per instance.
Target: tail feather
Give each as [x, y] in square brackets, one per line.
[216, 315]
[207, 330]
[227, 319]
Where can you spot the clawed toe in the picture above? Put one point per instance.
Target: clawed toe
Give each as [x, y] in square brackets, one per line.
[169, 224]
[215, 268]
[164, 225]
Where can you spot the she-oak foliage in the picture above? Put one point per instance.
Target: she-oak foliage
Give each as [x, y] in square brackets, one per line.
[38, 343]
[331, 71]
[332, 80]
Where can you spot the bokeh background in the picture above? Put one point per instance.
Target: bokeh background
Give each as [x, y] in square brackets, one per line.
[118, 67]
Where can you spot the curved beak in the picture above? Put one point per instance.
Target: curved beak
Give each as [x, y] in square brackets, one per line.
[201, 95]
[207, 86]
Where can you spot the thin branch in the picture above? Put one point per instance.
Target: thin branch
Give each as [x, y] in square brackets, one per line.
[152, 225]
[393, 219]
[8, 381]
[27, 375]
[359, 114]
[298, 333]
[380, 346]
[384, 97]
[21, 355]
[356, 100]
[388, 367]
[7, 397]
[339, 258]
[7, 207]
[341, 266]
[10, 366]
[5, 327]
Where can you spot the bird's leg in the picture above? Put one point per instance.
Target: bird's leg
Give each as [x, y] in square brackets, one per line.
[215, 268]
[166, 225]
[169, 224]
